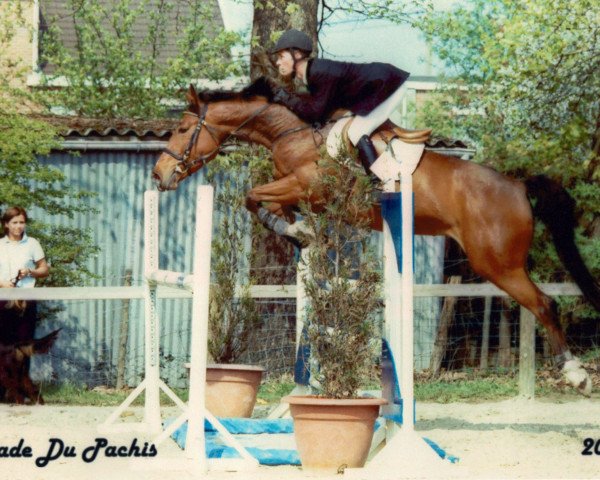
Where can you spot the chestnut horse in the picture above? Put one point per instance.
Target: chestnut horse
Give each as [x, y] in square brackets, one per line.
[488, 214]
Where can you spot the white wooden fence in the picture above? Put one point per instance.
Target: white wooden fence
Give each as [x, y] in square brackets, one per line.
[527, 321]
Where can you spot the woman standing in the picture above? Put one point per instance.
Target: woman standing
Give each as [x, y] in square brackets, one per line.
[22, 261]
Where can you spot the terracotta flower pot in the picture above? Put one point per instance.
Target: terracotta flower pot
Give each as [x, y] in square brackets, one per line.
[231, 389]
[333, 434]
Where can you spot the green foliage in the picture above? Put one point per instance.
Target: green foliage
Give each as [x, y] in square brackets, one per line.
[523, 87]
[342, 282]
[232, 319]
[25, 180]
[114, 73]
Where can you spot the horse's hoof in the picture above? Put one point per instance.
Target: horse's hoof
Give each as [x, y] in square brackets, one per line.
[299, 244]
[576, 375]
[301, 232]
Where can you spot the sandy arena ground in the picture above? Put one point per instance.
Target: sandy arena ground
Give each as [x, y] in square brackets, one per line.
[509, 439]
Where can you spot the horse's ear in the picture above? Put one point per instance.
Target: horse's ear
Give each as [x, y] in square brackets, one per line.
[193, 100]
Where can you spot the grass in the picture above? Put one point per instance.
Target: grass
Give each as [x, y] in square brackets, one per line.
[483, 389]
[591, 355]
[460, 387]
[270, 392]
[80, 395]
[274, 389]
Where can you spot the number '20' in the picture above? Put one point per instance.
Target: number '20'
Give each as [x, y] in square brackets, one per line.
[589, 444]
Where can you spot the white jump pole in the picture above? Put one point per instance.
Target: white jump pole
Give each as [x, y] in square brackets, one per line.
[407, 332]
[393, 312]
[151, 384]
[152, 415]
[195, 444]
[195, 411]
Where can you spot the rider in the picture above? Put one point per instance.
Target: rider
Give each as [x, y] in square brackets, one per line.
[369, 90]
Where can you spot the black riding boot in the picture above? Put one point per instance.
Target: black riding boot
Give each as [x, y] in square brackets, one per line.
[366, 153]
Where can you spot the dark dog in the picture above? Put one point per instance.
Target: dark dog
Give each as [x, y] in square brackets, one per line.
[14, 377]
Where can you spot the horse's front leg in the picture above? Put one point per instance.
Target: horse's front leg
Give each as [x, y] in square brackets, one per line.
[269, 203]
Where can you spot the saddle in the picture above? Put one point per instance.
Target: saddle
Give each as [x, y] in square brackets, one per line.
[398, 148]
[386, 133]
[390, 131]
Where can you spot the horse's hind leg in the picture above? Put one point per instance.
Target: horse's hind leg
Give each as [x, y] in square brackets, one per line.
[519, 286]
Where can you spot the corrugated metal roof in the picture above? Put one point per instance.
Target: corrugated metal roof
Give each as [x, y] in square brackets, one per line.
[74, 127]
[442, 142]
[87, 127]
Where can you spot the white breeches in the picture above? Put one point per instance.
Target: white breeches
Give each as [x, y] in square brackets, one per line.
[366, 125]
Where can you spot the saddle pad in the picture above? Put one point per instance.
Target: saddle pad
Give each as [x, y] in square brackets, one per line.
[336, 138]
[403, 159]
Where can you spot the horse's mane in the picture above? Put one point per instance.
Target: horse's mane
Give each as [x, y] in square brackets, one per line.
[259, 88]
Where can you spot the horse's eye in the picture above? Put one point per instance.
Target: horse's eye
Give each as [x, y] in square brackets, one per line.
[182, 129]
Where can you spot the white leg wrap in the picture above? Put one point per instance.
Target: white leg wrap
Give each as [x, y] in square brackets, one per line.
[299, 228]
[577, 376]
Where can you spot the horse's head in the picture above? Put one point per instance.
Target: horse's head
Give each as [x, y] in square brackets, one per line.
[192, 144]
[197, 140]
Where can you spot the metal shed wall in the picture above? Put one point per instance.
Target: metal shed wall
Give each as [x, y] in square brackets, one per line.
[88, 346]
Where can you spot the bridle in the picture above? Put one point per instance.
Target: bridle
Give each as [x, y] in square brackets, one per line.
[184, 164]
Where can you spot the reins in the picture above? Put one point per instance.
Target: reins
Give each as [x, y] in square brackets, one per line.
[184, 164]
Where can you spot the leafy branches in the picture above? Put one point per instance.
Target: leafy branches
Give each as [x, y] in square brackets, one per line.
[342, 283]
[391, 10]
[125, 62]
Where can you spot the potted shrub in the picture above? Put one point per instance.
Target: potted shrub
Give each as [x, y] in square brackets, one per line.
[231, 387]
[343, 289]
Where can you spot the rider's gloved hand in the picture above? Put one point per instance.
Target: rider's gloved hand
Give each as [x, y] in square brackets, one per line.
[281, 96]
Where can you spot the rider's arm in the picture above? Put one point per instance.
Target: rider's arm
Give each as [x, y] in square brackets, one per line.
[314, 106]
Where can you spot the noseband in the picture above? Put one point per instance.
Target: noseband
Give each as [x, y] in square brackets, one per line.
[183, 161]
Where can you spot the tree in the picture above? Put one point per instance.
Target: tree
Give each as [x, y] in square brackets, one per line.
[272, 17]
[113, 72]
[270, 20]
[524, 88]
[24, 179]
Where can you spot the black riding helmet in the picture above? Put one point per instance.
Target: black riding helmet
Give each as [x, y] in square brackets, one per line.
[293, 39]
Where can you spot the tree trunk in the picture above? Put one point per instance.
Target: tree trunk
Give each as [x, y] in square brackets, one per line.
[441, 341]
[274, 17]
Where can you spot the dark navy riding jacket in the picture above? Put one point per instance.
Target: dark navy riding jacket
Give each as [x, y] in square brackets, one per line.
[358, 87]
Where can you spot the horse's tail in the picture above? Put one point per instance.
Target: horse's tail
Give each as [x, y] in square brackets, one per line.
[556, 209]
